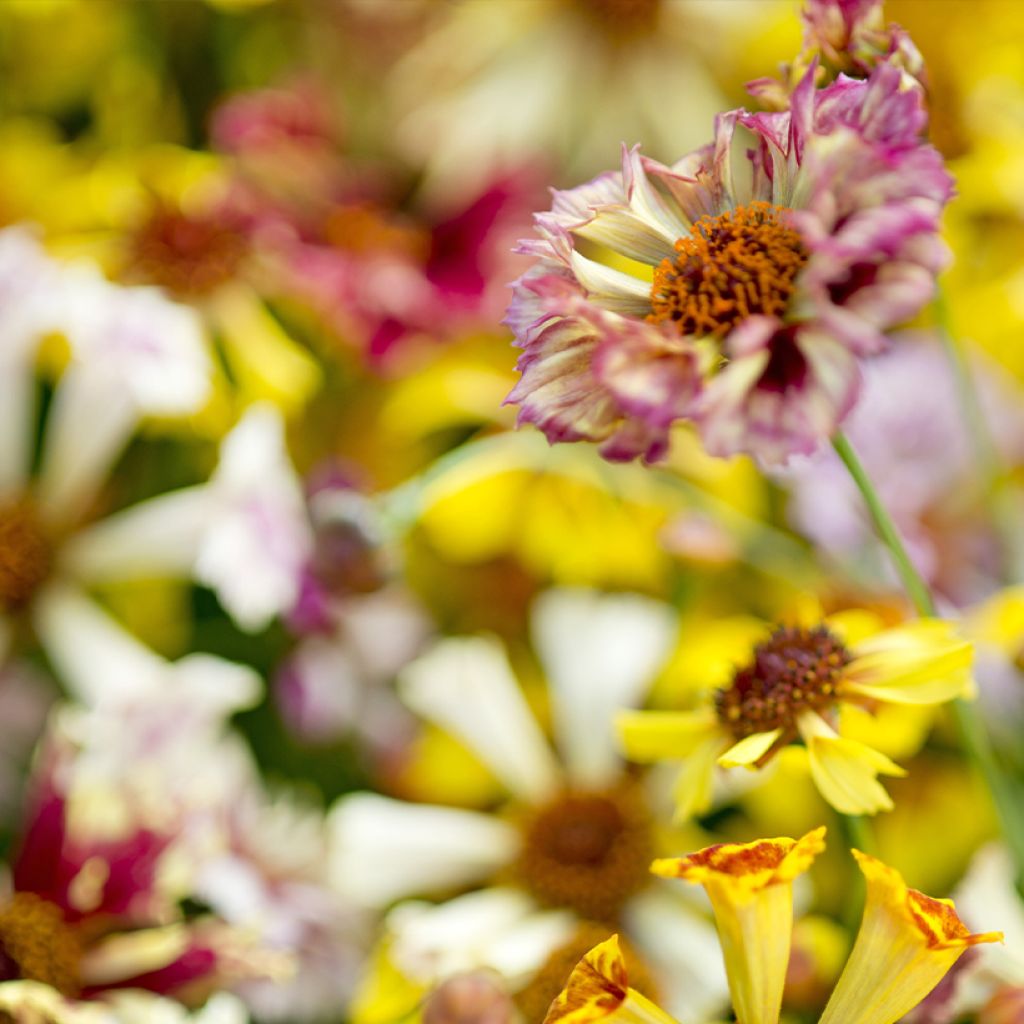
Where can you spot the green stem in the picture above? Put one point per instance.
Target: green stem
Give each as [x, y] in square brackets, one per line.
[860, 834]
[972, 729]
[916, 588]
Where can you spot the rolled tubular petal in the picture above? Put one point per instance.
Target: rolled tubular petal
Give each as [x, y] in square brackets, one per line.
[906, 944]
[598, 989]
[750, 886]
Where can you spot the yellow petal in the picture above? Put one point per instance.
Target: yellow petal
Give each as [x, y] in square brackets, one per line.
[749, 750]
[647, 736]
[906, 944]
[598, 989]
[921, 662]
[844, 770]
[694, 783]
[750, 886]
[266, 362]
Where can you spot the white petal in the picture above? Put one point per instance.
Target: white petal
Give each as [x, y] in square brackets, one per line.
[95, 656]
[612, 289]
[383, 849]
[600, 653]
[466, 686]
[257, 543]
[89, 424]
[159, 537]
[496, 928]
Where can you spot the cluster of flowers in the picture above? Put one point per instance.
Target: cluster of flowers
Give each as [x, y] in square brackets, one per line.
[327, 696]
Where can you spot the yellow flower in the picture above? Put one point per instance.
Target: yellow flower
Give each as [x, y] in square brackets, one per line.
[598, 989]
[906, 943]
[791, 688]
[750, 886]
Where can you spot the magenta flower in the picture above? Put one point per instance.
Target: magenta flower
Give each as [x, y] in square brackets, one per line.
[738, 293]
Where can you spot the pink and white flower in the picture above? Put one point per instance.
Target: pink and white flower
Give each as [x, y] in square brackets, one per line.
[739, 293]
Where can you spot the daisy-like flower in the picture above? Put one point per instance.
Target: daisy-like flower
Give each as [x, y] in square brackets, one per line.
[906, 943]
[791, 688]
[132, 355]
[738, 292]
[567, 855]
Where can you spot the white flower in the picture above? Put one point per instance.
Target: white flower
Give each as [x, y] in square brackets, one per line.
[600, 652]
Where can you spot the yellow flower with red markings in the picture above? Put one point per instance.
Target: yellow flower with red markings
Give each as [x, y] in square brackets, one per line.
[750, 886]
[598, 989]
[789, 689]
[906, 943]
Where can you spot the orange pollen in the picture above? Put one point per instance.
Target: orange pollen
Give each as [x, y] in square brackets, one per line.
[26, 553]
[740, 263]
[36, 944]
[589, 852]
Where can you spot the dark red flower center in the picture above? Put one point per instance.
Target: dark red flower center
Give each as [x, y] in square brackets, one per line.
[587, 851]
[738, 264]
[794, 670]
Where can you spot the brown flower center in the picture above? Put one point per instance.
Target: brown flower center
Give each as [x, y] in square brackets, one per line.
[620, 16]
[189, 256]
[36, 944]
[737, 264]
[587, 851]
[794, 670]
[533, 1001]
[26, 553]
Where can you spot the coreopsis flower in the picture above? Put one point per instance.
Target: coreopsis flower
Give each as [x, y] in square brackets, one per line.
[90, 909]
[132, 355]
[737, 292]
[790, 688]
[569, 852]
[906, 943]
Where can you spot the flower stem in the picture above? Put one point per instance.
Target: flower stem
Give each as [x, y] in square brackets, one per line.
[972, 729]
[859, 835]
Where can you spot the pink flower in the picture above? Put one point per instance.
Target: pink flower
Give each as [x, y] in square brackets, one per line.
[737, 293]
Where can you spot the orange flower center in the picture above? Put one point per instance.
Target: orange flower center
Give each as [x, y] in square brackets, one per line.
[36, 944]
[587, 851]
[189, 256]
[26, 553]
[794, 670]
[737, 264]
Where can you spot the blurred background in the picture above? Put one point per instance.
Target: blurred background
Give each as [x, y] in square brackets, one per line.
[333, 189]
